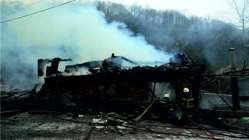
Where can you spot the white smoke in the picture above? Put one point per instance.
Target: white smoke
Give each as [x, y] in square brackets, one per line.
[77, 31]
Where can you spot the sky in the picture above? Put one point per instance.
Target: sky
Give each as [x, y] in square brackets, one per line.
[213, 9]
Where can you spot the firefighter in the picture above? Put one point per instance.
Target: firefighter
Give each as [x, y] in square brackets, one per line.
[187, 98]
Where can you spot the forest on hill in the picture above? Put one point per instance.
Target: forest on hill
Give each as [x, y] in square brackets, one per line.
[204, 40]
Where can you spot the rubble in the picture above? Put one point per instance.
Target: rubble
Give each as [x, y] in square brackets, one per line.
[25, 125]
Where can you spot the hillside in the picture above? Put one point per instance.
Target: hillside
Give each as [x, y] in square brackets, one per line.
[204, 40]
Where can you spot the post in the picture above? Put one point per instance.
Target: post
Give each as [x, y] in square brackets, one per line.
[232, 59]
[234, 81]
[235, 93]
[41, 66]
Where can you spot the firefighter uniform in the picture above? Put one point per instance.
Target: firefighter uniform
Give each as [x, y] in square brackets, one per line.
[187, 99]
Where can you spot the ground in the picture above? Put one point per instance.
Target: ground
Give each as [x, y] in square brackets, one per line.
[38, 126]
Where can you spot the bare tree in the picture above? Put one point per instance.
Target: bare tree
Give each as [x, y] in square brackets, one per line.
[242, 9]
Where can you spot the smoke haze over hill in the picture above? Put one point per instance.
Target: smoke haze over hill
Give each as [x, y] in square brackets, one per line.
[77, 30]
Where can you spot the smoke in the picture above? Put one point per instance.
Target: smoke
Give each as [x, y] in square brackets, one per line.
[203, 40]
[76, 30]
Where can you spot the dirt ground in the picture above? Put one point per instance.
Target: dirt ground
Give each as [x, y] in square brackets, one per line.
[94, 127]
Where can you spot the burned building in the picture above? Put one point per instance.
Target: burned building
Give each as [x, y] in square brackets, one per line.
[117, 82]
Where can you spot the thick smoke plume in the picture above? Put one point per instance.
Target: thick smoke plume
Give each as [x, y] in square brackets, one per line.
[76, 30]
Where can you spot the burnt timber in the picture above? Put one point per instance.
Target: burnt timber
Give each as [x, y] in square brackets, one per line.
[136, 77]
